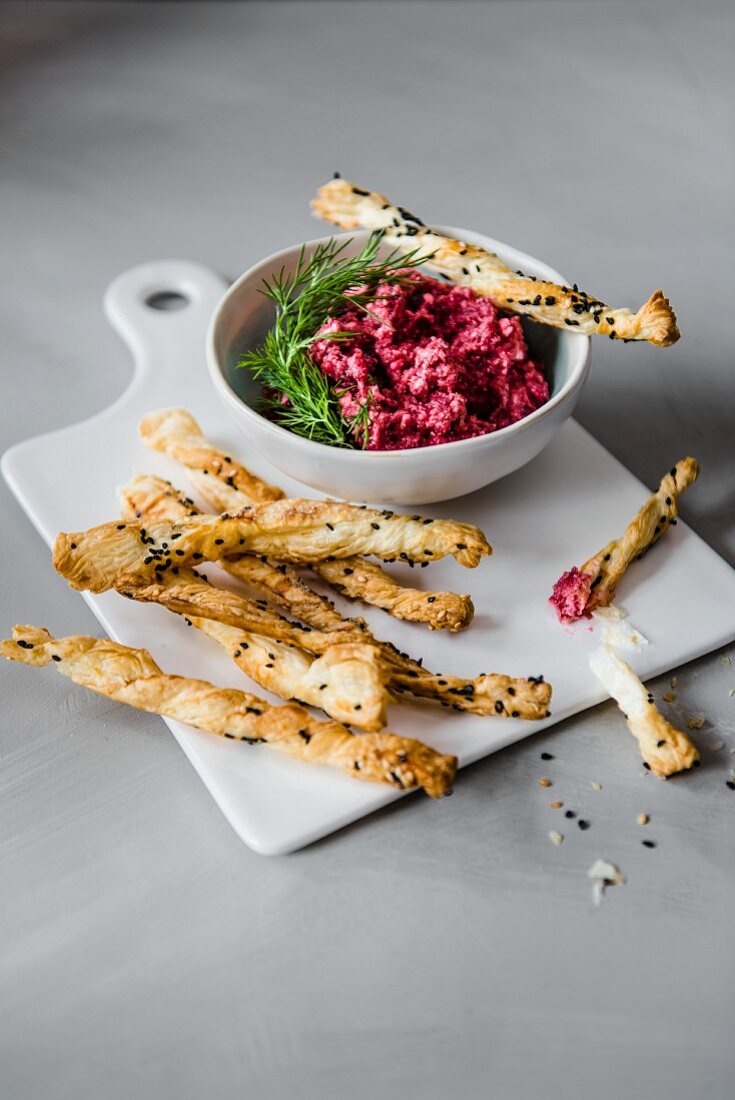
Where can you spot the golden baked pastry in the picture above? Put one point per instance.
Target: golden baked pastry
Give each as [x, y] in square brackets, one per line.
[132, 676]
[665, 749]
[291, 530]
[351, 207]
[222, 484]
[188, 594]
[347, 681]
[175, 432]
[579, 591]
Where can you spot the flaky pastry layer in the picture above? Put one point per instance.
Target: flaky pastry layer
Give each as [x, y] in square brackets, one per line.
[351, 207]
[176, 433]
[221, 482]
[665, 749]
[596, 581]
[132, 676]
[290, 530]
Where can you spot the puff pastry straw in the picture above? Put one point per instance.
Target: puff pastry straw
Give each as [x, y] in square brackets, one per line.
[351, 207]
[579, 591]
[290, 530]
[493, 693]
[665, 749]
[347, 681]
[192, 596]
[223, 484]
[132, 676]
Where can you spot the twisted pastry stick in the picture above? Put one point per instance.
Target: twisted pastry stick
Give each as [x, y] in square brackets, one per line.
[352, 207]
[292, 530]
[579, 591]
[665, 749]
[222, 484]
[176, 433]
[347, 681]
[190, 595]
[132, 676]
[151, 497]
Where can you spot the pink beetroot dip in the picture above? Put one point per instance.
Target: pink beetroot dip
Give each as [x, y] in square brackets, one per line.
[437, 363]
[570, 595]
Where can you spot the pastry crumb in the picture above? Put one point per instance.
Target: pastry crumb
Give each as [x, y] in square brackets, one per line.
[595, 786]
[605, 874]
[715, 746]
[643, 819]
[696, 722]
[726, 660]
[556, 805]
[669, 696]
[545, 783]
[554, 837]
[674, 681]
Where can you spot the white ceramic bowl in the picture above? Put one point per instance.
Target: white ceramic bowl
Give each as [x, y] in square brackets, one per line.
[419, 476]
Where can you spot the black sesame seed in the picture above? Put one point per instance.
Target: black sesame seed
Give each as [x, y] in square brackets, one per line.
[499, 708]
[25, 645]
[219, 542]
[728, 782]
[55, 657]
[431, 599]
[648, 843]
[305, 735]
[583, 824]
[547, 756]
[550, 300]
[646, 765]
[375, 526]
[121, 526]
[397, 780]
[569, 813]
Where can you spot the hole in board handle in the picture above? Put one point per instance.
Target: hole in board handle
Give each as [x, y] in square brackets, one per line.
[167, 300]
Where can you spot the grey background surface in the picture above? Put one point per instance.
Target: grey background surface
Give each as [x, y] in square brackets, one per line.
[431, 950]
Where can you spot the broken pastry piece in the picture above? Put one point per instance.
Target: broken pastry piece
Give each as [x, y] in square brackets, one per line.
[132, 676]
[665, 749]
[227, 486]
[579, 591]
[352, 207]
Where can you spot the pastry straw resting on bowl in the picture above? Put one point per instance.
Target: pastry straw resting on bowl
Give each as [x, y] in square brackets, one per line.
[349, 206]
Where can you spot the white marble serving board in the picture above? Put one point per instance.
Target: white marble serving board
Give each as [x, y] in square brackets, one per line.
[553, 513]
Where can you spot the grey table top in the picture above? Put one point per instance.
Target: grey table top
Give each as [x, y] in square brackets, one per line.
[430, 950]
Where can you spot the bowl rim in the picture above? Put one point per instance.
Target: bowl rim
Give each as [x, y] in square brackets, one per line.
[215, 367]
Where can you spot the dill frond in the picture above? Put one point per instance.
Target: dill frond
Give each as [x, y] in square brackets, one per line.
[300, 397]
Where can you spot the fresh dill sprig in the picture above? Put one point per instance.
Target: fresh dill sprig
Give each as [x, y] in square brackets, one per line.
[298, 395]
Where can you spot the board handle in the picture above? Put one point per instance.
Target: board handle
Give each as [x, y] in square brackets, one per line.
[156, 306]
